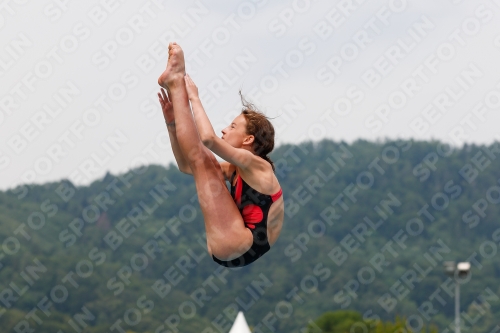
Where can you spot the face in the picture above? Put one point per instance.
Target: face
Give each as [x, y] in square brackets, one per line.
[235, 134]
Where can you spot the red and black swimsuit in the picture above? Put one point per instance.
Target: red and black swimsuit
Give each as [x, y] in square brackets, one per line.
[254, 208]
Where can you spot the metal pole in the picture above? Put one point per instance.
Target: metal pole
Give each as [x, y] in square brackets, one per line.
[457, 306]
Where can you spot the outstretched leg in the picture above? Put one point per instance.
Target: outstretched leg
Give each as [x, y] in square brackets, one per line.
[227, 236]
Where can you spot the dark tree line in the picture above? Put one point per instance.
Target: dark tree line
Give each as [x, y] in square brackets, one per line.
[367, 229]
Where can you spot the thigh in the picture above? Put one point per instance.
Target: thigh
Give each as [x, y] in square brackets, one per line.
[227, 236]
[216, 164]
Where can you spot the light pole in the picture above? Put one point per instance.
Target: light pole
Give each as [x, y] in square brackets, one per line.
[460, 270]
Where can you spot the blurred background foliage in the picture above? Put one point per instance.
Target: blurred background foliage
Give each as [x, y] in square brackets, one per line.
[325, 272]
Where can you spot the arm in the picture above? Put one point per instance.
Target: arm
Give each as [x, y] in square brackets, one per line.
[205, 129]
[239, 157]
[168, 114]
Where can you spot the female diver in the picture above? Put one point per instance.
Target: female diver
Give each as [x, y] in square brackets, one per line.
[242, 225]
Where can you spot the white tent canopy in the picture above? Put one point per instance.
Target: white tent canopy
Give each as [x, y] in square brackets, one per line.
[240, 324]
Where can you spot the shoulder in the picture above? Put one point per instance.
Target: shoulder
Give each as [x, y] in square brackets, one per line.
[255, 166]
[260, 176]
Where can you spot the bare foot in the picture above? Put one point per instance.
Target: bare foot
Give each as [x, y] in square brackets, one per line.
[174, 73]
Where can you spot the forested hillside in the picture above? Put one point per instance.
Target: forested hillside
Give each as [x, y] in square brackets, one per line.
[367, 228]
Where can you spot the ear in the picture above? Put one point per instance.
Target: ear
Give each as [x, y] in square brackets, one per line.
[249, 140]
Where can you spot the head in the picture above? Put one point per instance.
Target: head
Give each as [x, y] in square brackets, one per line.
[251, 130]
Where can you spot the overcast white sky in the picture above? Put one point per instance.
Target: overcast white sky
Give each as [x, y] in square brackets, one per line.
[78, 80]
